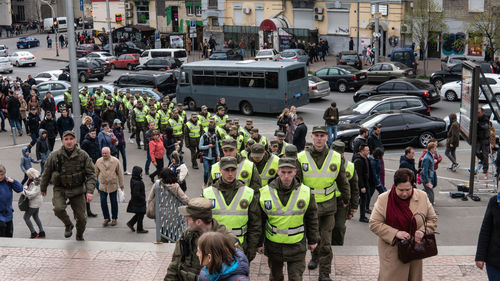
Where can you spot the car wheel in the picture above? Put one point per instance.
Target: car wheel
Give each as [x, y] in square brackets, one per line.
[83, 78]
[450, 95]
[113, 66]
[162, 69]
[100, 78]
[129, 66]
[191, 105]
[17, 64]
[342, 87]
[246, 108]
[438, 83]
[424, 139]
[10, 71]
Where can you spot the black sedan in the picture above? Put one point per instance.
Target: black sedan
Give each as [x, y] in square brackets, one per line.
[160, 64]
[226, 54]
[124, 48]
[342, 77]
[405, 86]
[398, 128]
[439, 78]
[383, 103]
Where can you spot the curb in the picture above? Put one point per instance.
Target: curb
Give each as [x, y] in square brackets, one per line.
[55, 59]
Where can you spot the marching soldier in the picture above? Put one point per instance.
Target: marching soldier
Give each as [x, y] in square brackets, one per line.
[139, 123]
[246, 131]
[258, 138]
[273, 148]
[223, 131]
[248, 148]
[236, 123]
[181, 112]
[73, 176]
[324, 181]
[345, 212]
[220, 117]
[163, 115]
[211, 124]
[204, 116]
[247, 172]
[290, 215]
[192, 132]
[233, 133]
[166, 99]
[266, 163]
[280, 137]
[236, 206]
[99, 98]
[84, 99]
[68, 100]
[153, 117]
[177, 124]
[290, 152]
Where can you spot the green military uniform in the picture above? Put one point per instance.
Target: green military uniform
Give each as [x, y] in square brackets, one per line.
[237, 207]
[320, 169]
[268, 166]
[204, 119]
[84, 100]
[220, 121]
[259, 138]
[153, 118]
[99, 99]
[163, 115]
[339, 229]
[192, 133]
[73, 175]
[177, 124]
[290, 216]
[68, 100]
[185, 265]
[140, 123]
[246, 131]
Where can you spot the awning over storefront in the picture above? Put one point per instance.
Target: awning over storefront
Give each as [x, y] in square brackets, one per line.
[272, 24]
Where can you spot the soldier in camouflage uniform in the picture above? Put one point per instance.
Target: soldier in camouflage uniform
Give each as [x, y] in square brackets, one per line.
[73, 176]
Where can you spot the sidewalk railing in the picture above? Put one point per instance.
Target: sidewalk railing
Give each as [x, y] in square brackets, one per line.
[169, 222]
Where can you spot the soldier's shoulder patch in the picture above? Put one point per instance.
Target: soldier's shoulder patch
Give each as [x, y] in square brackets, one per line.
[305, 166]
[217, 175]
[244, 174]
[213, 202]
[301, 204]
[244, 204]
[348, 174]
[333, 167]
[268, 204]
[272, 172]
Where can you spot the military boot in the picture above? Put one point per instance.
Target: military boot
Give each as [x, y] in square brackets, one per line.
[68, 231]
[79, 237]
[325, 278]
[312, 265]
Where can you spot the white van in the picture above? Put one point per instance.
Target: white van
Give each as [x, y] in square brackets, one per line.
[62, 24]
[48, 23]
[179, 54]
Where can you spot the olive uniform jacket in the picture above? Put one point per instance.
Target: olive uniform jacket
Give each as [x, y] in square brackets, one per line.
[60, 168]
[185, 265]
[255, 182]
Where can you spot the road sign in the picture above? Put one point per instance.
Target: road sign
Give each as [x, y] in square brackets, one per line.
[192, 35]
[81, 5]
[192, 23]
[376, 34]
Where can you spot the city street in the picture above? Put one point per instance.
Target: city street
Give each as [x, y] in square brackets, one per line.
[459, 221]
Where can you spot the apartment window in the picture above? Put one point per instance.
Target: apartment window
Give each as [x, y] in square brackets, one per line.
[189, 9]
[197, 10]
[142, 12]
[438, 5]
[476, 5]
[212, 4]
[382, 9]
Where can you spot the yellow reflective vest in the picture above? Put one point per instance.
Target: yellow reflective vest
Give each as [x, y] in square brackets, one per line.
[99, 99]
[163, 116]
[285, 224]
[69, 98]
[349, 172]
[204, 121]
[320, 179]
[220, 121]
[140, 115]
[194, 129]
[270, 169]
[244, 171]
[153, 119]
[84, 99]
[176, 126]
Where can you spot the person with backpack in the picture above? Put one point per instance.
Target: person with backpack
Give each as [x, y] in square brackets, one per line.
[33, 194]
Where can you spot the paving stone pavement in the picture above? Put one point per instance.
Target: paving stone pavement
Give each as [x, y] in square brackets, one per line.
[77, 261]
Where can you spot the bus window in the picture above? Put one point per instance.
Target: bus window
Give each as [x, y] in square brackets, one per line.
[272, 80]
[295, 74]
[222, 78]
[201, 77]
[252, 79]
[184, 79]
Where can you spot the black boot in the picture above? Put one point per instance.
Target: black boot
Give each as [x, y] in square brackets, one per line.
[312, 265]
[68, 231]
[89, 212]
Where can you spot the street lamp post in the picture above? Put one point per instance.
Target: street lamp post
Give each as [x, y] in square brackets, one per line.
[110, 37]
[55, 29]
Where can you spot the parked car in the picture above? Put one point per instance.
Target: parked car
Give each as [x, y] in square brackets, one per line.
[105, 56]
[318, 87]
[448, 62]
[384, 71]
[5, 65]
[164, 82]
[51, 75]
[342, 77]
[3, 51]
[88, 69]
[27, 42]
[124, 48]
[21, 58]
[487, 111]
[152, 93]
[453, 91]
[56, 88]
[226, 54]
[405, 56]
[105, 66]
[160, 64]
[107, 88]
[405, 86]
[383, 103]
[439, 78]
[295, 55]
[267, 54]
[128, 61]
[398, 128]
[349, 58]
[85, 49]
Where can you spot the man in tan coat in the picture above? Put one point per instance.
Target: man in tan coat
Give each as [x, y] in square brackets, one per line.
[110, 177]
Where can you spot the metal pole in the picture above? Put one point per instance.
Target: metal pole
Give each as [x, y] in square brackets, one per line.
[110, 37]
[376, 32]
[55, 29]
[83, 17]
[357, 29]
[72, 66]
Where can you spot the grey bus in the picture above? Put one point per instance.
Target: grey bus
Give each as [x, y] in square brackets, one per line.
[248, 86]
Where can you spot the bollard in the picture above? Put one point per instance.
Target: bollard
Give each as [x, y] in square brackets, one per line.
[13, 129]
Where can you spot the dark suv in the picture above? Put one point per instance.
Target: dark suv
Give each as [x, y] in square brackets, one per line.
[86, 49]
[439, 78]
[164, 82]
[88, 70]
[349, 58]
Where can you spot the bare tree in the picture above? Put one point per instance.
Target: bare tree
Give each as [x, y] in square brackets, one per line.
[487, 24]
[423, 19]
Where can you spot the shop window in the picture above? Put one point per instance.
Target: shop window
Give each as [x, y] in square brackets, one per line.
[475, 44]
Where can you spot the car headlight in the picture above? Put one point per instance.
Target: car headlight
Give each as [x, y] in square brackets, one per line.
[432, 74]
[344, 122]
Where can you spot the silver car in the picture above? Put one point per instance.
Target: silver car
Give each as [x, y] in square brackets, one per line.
[22, 58]
[295, 55]
[56, 88]
[267, 54]
[449, 61]
[318, 87]
[5, 65]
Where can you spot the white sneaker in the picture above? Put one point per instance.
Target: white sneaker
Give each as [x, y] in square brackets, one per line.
[130, 140]
[142, 143]
[126, 173]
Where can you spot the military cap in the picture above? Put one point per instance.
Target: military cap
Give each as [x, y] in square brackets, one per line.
[204, 107]
[164, 103]
[233, 128]
[319, 129]
[258, 150]
[229, 143]
[66, 133]
[250, 142]
[220, 108]
[274, 143]
[198, 207]
[280, 135]
[291, 151]
[249, 121]
[338, 146]
[175, 111]
[194, 114]
[229, 121]
[228, 162]
[287, 162]
[254, 130]
[179, 104]
[139, 101]
[211, 119]
[236, 120]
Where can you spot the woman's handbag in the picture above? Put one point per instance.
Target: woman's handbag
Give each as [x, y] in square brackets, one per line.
[409, 250]
[23, 203]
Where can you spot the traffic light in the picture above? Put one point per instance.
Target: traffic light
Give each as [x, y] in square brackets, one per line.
[118, 18]
[55, 23]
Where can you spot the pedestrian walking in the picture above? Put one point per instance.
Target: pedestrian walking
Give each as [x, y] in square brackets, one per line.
[90, 145]
[50, 126]
[7, 185]
[120, 137]
[284, 242]
[73, 176]
[392, 218]
[209, 149]
[220, 259]
[365, 180]
[14, 114]
[361, 138]
[428, 173]
[42, 148]
[452, 141]
[106, 138]
[26, 161]
[292, 124]
[192, 132]
[283, 120]
[64, 122]
[32, 192]
[49, 104]
[331, 117]
[377, 171]
[179, 168]
[110, 175]
[242, 47]
[374, 142]
[137, 203]
[33, 124]
[483, 140]
[299, 137]
[408, 160]
[156, 151]
[139, 124]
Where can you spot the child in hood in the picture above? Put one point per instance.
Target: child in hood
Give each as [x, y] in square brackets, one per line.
[42, 148]
[26, 161]
[32, 192]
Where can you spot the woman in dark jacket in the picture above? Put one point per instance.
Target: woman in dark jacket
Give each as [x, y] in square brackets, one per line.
[85, 127]
[118, 132]
[452, 141]
[283, 120]
[49, 124]
[488, 244]
[137, 203]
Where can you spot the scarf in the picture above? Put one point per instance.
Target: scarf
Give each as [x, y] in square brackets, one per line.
[224, 270]
[398, 213]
